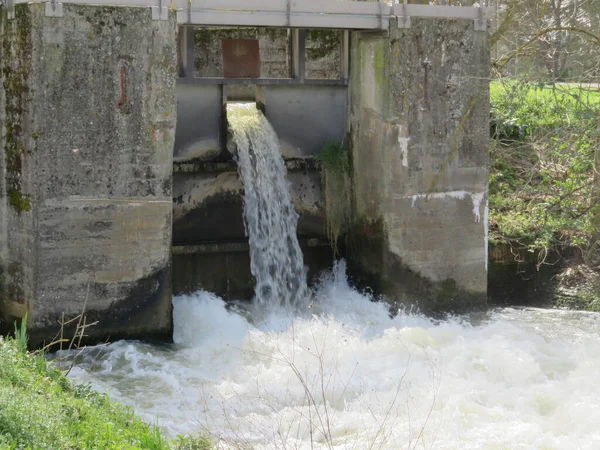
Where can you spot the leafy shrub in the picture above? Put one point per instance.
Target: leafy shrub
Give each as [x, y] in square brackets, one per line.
[542, 169]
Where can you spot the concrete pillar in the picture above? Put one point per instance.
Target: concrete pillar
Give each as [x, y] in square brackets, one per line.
[419, 119]
[88, 105]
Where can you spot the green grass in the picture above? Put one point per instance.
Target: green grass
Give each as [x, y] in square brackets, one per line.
[542, 159]
[333, 157]
[538, 107]
[41, 409]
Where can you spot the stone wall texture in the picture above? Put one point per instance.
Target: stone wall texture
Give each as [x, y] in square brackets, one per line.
[273, 46]
[89, 107]
[323, 51]
[419, 113]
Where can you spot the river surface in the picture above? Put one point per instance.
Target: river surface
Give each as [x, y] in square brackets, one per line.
[346, 375]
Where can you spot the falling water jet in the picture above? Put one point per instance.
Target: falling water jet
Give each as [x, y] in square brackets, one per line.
[276, 259]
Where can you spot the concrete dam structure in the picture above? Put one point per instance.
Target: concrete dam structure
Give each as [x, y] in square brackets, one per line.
[119, 183]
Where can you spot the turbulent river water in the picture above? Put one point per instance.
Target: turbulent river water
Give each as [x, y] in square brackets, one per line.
[349, 376]
[332, 369]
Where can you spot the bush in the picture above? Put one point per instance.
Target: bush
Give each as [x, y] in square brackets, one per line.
[542, 164]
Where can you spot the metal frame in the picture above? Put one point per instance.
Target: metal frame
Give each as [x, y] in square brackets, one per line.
[186, 59]
[404, 12]
[346, 14]
[284, 13]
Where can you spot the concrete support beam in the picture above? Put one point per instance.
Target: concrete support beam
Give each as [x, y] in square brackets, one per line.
[89, 107]
[419, 109]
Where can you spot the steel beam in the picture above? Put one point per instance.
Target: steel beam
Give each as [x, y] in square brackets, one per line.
[261, 81]
[285, 13]
[338, 14]
[442, 11]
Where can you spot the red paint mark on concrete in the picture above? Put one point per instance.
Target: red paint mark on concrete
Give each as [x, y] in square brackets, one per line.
[122, 99]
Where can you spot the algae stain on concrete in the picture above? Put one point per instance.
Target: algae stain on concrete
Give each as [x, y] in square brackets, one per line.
[16, 44]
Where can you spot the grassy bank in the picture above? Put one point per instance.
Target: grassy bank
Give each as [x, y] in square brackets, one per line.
[41, 409]
[544, 196]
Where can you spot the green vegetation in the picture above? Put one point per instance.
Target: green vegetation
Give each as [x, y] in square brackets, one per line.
[41, 409]
[333, 157]
[17, 46]
[542, 185]
[545, 156]
[20, 201]
[335, 173]
[544, 182]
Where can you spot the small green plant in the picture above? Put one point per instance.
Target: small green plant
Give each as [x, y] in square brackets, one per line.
[192, 443]
[20, 201]
[21, 335]
[333, 157]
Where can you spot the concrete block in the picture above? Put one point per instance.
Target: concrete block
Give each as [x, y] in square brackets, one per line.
[94, 129]
[419, 169]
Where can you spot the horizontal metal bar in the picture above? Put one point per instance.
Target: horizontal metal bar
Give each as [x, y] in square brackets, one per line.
[257, 6]
[262, 81]
[234, 18]
[286, 13]
[137, 3]
[341, 14]
[442, 12]
[281, 19]
[339, 21]
[340, 7]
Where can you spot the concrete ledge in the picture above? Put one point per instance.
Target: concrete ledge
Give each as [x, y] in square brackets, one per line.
[233, 247]
[192, 166]
[93, 120]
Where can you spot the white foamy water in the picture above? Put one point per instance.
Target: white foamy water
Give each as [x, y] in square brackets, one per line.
[270, 218]
[351, 377]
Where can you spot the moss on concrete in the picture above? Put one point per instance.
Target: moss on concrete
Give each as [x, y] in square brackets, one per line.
[16, 45]
[373, 266]
[18, 200]
[335, 180]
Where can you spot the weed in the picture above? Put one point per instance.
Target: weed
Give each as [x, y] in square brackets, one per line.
[333, 157]
[21, 335]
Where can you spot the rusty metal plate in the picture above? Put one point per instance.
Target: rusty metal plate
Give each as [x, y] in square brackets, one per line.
[241, 58]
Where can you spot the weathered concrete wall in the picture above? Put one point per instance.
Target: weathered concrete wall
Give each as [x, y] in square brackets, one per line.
[225, 268]
[323, 54]
[273, 46]
[320, 108]
[306, 118]
[17, 234]
[419, 125]
[208, 202]
[323, 51]
[198, 139]
[97, 142]
[210, 243]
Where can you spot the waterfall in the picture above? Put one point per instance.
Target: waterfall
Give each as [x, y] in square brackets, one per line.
[271, 221]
